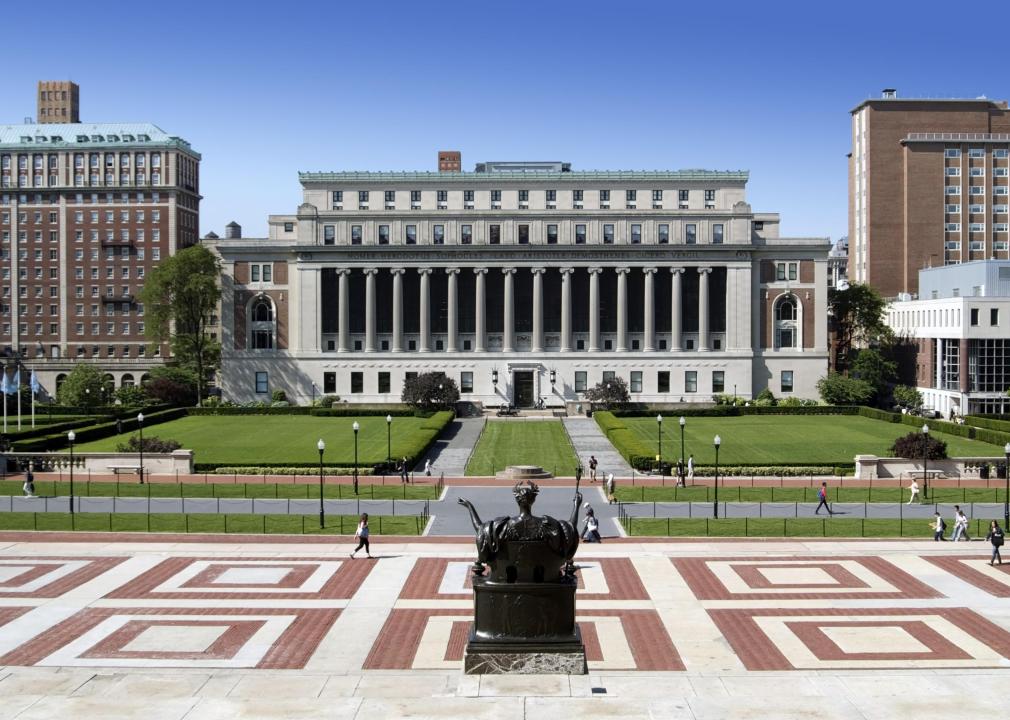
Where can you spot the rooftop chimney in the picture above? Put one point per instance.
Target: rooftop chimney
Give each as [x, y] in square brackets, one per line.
[450, 161]
[889, 94]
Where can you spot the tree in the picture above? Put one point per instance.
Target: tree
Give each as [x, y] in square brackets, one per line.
[173, 385]
[131, 396]
[911, 446]
[608, 392]
[180, 296]
[82, 387]
[836, 389]
[908, 397]
[875, 370]
[430, 391]
[857, 317]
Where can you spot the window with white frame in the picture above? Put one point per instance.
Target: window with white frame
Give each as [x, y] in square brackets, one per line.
[786, 315]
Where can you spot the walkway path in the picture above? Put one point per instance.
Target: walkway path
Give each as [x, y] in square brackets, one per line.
[453, 447]
[588, 440]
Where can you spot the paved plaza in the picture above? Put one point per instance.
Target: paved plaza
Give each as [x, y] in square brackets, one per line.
[110, 626]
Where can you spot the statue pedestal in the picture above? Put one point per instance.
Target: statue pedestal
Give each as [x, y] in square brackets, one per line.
[524, 628]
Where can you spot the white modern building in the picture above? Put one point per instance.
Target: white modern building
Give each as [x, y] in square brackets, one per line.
[524, 280]
[960, 324]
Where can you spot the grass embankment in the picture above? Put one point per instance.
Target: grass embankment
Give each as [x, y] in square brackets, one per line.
[293, 491]
[199, 523]
[258, 440]
[770, 440]
[518, 442]
[696, 493]
[791, 527]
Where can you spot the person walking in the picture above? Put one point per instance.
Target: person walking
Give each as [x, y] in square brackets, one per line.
[591, 530]
[822, 495]
[401, 466]
[608, 486]
[405, 470]
[680, 472]
[995, 536]
[960, 525]
[592, 468]
[427, 467]
[914, 489]
[690, 468]
[29, 486]
[939, 527]
[362, 535]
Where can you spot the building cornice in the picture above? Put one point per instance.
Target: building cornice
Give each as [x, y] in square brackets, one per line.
[500, 177]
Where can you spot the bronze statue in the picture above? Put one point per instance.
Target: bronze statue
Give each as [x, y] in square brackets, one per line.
[524, 604]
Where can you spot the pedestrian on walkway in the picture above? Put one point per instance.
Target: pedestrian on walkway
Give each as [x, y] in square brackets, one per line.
[960, 525]
[680, 472]
[592, 468]
[362, 535]
[29, 486]
[914, 489]
[690, 468]
[995, 536]
[591, 530]
[609, 486]
[939, 527]
[822, 495]
[427, 467]
[405, 470]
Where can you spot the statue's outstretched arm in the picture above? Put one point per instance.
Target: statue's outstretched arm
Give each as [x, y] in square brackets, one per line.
[474, 517]
[575, 510]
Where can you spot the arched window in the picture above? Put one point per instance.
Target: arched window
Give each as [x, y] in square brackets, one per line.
[786, 325]
[59, 381]
[127, 380]
[262, 327]
[263, 310]
[144, 379]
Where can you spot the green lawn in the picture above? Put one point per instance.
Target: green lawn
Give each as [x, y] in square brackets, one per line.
[289, 439]
[789, 527]
[179, 523]
[517, 442]
[131, 488]
[698, 493]
[786, 439]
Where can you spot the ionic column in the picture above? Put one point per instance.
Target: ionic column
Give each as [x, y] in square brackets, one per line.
[507, 336]
[594, 309]
[397, 309]
[622, 309]
[343, 291]
[566, 309]
[425, 301]
[450, 345]
[650, 310]
[676, 299]
[479, 324]
[538, 310]
[370, 309]
[703, 274]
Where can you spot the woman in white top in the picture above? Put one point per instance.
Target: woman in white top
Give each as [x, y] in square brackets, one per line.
[427, 467]
[362, 535]
[914, 489]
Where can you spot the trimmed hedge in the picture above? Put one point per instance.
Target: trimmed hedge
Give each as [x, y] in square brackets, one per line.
[738, 410]
[774, 470]
[58, 441]
[875, 414]
[989, 422]
[290, 410]
[283, 470]
[352, 411]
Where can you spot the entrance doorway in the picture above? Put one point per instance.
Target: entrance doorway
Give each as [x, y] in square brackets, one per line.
[522, 388]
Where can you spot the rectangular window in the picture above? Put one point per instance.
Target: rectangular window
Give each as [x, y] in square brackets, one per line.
[442, 196]
[496, 196]
[383, 382]
[636, 381]
[330, 383]
[994, 316]
[261, 383]
[718, 381]
[524, 234]
[390, 196]
[974, 317]
[580, 381]
[337, 197]
[952, 153]
[438, 234]
[552, 234]
[552, 196]
[657, 196]
[609, 375]
[608, 234]
[410, 234]
[792, 271]
[384, 234]
[577, 196]
[690, 233]
[663, 381]
[494, 234]
[976, 153]
[468, 196]
[787, 381]
[267, 272]
[465, 234]
[683, 195]
[717, 234]
[691, 381]
[355, 234]
[636, 234]
[604, 196]
[357, 382]
[362, 196]
[415, 196]
[664, 234]
[524, 196]
[254, 273]
[466, 382]
[329, 234]
[580, 234]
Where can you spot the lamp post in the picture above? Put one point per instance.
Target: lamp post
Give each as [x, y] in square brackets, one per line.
[321, 446]
[355, 427]
[683, 459]
[71, 436]
[925, 457]
[659, 444]
[715, 506]
[313, 394]
[1006, 498]
[140, 426]
[389, 438]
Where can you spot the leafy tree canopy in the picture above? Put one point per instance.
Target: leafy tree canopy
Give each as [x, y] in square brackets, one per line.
[836, 389]
[82, 387]
[857, 316]
[609, 392]
[430, 391]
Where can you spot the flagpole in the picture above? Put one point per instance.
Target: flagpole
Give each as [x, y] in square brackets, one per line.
[4, 388]
[31, 385]
[17, 389]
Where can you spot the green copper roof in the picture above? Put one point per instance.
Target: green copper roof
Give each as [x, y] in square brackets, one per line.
[72, 136]
[714, 176]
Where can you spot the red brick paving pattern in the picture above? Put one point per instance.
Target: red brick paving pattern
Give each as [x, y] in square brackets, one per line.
[209, 578]
[958, 567]
[937, 647]
[758, 652]
[706, 586]
[291, 651]
[230, 642]
[342, 585]
[756, 579]
[94, 567]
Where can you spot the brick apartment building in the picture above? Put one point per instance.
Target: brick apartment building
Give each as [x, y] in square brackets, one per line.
[928, 186]
[86, 211]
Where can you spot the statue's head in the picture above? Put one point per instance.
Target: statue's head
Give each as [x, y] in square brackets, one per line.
[525, 494]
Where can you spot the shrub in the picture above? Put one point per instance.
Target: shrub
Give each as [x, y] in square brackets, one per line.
[326, 401]
[278, 396]
[281, 470]
[836, 389]
[765, 398]
[608, 392]
[915, 444]
[82, 387]
[908, 397]
[152, 444]
[132, 396]
[169, 391]
[431, 391]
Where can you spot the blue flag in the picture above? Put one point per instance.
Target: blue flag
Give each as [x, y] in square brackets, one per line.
[5, 386]
[15, 382]
[34, 383]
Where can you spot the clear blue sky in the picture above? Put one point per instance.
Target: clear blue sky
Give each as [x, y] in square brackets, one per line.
[265, 92]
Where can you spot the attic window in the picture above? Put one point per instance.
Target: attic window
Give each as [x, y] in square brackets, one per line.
[82, 138]
[127, 138]
[113, 138]
[143, 138]
[26, 138]
[56, 138]
[40, 138]
[97, 138]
